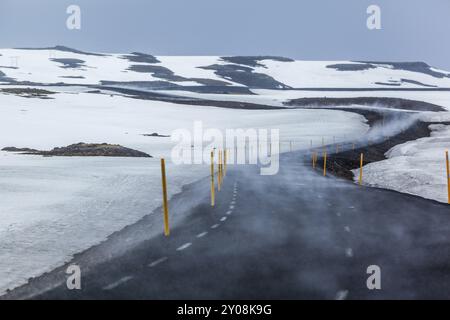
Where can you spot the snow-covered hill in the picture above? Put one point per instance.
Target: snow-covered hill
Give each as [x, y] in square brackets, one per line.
[52, 208]
[60, 64]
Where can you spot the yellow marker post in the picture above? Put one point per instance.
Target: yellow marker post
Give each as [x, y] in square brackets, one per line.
[361, 168]
[165, 205]
[324, 163]
[219, 175]
[212, 180]
[448, 176]
[218, 171]
[225, 162]
[221, 166]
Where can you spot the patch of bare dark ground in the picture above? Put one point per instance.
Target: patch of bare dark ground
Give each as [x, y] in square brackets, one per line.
[142, 95]
[28, 92]
[84, 150]
[341, 163]
[387, 103]
[306, 103]
[156, 134]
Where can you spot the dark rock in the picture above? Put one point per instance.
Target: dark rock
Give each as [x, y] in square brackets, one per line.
[418, 83]
[140, 57]
[253, 61]
[155, 134]
[420, 67]
[85, 150]
[28, 92]
[246, 76]
[342, 163]
[351, 66]
[67, 49]
[143, 85]
[14, 149]
[68, 63]
[157, 71]
[167, 74]
[72, 77]
[388, 103]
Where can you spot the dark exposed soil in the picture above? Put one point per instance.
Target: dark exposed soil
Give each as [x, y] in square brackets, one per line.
[341, 163]
[154, 96]
[84, 150]
[155, 134]
[388, 103]
[14, 149]
[253, 61]
[68, 63]
[28, 92]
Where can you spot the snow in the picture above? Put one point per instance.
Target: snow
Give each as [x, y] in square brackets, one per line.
[189, 66]
[315, 74]
[55, 207]
[52, 208]
[441, 98]
[36, 66]
[276, 98]
[88, 117]
[416, 167]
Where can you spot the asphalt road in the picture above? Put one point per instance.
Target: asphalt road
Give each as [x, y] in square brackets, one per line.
[295, 235]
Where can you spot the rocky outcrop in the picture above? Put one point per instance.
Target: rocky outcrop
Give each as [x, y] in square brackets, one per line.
[84, 150]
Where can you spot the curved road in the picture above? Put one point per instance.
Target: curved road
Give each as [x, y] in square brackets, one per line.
[295, 235]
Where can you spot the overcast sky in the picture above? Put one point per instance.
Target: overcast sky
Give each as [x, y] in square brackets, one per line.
[412, 30]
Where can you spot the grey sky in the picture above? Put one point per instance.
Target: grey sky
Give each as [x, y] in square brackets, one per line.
[312, 30]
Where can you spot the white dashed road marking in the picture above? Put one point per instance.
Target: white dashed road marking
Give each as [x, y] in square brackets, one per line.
[214, 226]
[156, 262]
[349, 252]
[223, 218]
[118, 283]
[342, 295]
[201, 235]
[229, 212]
[184, 246]
[347, 228]
[231, 207]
